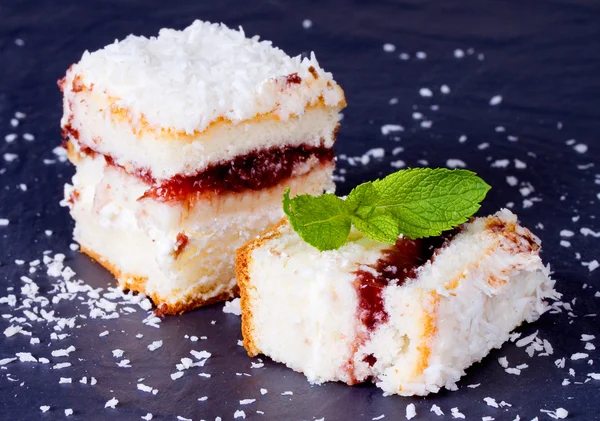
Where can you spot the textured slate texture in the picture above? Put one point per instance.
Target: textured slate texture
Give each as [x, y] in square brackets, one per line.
[543, 58]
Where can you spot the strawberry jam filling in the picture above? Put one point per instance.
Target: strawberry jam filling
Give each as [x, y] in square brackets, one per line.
[253, 171]
[397, 264]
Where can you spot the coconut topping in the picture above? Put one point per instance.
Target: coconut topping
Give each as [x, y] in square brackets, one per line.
[185, 80]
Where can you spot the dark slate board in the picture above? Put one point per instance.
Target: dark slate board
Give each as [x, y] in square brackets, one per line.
[542, 57]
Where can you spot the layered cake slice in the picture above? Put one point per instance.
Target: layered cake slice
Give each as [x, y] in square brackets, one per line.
[183, 145]
[411, 317]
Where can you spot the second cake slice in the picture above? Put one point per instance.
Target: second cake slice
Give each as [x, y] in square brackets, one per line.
[410, 317]
[184, 144]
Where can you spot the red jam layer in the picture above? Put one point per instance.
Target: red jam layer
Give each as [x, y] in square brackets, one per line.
[253, 171]
[398, 263]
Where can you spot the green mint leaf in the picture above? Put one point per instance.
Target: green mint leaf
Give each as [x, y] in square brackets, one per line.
[419, 202]
[321, 221]
[372, 222]
[427, 201]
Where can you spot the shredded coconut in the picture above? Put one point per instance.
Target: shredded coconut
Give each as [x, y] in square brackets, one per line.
[234, 77]
[411, 412]
[233, 307]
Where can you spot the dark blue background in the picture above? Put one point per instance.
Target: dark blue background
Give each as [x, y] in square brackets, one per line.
[542, 57]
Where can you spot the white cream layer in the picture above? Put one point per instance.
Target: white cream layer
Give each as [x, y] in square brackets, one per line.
[89, 113]
[303, 308]
[139, 237]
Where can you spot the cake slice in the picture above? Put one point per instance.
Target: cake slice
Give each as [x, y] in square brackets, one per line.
[183, 145]
[410, 317]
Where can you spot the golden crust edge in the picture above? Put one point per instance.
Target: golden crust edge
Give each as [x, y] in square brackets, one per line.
[137, 283]
[243, 259]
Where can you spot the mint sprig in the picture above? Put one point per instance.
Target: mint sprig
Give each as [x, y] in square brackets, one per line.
[417, 202]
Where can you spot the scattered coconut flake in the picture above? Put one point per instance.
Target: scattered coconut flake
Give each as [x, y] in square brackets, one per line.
[247, 401]
[436, 410]
[60, 366]
[147, 417]
[455, 163]
[307, 23]
[457, 414]
[421, 55]
[495, 100]
[263, 391]
[580, 148]
[586, 231]
[445, 89]
[288, 393]
[175, 376]
[10, 157]
[586, 337]
[12, 330]
[155, 345]
[389, 128]
[411, 412]
[520, 164]
[558, 414]
[63, 352]
[425, 92]
[44, 408]
[65, 380]
[380, 417]
[526, 340]
[203, 398]
[389, 48]
[458, 53]
[233, 307]
[239, 414]
[117, 353]
[5, 361]
[500, 163]
[26, 357]
[593, 265]
[579, 356]
[144, 388]
[595, 376]
[491, 402]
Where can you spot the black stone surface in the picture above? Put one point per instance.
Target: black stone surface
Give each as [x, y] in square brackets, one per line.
[542, 57]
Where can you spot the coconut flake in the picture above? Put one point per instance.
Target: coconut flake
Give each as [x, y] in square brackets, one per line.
[232, 307]
[411, 412]
[234, 77]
